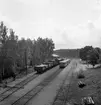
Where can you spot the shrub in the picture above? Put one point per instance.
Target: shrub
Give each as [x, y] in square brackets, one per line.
[81, 84]
[80, 75]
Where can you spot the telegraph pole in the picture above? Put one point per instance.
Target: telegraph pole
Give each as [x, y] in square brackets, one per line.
[3, 55]
[26, 60]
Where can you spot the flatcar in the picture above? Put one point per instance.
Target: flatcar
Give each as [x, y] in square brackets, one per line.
[64, 63]
[48, 64]
[54, 62]
[51, 63]
[41, 68]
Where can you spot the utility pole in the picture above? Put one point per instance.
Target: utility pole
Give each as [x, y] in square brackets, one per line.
[26, 60]
[3, 56]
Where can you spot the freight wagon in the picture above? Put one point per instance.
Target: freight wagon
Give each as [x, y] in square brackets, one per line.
[46, 65]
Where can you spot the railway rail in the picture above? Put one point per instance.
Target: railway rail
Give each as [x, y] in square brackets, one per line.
[63, 93]
[15, 88]
[32, 93]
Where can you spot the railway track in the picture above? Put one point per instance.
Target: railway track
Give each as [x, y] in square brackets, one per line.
[15, 88]
[32, 93]
[63, 93]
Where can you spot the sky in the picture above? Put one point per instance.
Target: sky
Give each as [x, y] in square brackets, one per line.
[70, 23]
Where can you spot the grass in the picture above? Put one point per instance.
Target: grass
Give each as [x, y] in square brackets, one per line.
[21, 75]
[80, 75]
[92, 79]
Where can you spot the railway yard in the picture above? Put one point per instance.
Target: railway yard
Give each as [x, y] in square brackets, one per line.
[50, 52]
[57, 86]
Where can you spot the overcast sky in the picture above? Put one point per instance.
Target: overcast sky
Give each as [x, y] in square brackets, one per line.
[70, 23]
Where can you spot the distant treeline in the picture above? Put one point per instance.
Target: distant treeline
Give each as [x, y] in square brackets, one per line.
[70, 53]
[91, 55]
[88, 53]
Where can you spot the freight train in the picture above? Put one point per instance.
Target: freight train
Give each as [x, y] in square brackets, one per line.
[48, 65]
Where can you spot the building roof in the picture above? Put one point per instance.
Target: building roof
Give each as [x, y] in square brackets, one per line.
[55, 55]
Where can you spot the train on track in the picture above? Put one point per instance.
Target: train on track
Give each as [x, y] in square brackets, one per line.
[50, 64]
[64, 63]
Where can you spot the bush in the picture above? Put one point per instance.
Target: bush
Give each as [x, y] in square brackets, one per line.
[81, 84]
[6, 68]
[80, 75]
[8, 72]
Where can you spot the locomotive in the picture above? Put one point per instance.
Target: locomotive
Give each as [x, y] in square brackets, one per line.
[64, 63]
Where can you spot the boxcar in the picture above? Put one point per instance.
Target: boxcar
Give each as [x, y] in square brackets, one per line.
[48, 64]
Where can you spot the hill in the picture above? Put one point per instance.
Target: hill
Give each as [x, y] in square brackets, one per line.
[70, 53]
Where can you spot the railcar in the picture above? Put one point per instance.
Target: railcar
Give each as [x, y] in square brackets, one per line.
[60, 59]
[41, 68]
[46, 65]
[53, 62]
[56, 62]
[64, 63]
